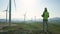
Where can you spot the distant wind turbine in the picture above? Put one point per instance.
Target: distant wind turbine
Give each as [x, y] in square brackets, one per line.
[35, 18]
[6, 13]
[24, 16]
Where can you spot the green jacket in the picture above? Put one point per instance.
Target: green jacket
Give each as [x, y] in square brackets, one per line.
[45, 15]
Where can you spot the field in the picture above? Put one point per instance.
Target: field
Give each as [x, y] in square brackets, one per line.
[29, 28]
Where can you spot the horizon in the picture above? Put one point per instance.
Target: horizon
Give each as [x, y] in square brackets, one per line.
[32, 19]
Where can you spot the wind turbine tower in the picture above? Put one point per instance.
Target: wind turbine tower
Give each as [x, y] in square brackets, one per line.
[9, 12]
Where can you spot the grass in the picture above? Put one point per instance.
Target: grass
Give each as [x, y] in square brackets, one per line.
[53, 27]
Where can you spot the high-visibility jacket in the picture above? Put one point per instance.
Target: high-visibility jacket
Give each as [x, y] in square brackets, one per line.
[45, 15]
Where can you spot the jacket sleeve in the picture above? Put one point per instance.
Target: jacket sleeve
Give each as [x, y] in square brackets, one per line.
[43, 15]
[48, 14]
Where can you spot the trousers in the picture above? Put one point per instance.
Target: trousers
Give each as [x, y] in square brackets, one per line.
[45, 25]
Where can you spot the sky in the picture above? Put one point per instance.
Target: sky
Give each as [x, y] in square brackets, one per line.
[31, 8]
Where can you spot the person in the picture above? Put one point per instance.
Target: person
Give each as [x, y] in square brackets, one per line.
[45, 16]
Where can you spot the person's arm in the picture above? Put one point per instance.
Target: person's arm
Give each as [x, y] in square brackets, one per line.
[43, 15]
[48, 14]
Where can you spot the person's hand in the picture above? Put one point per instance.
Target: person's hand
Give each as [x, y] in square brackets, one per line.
[42, 15]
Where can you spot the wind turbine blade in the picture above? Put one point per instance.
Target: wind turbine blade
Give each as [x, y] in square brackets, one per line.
[7, 8]
[15, 4]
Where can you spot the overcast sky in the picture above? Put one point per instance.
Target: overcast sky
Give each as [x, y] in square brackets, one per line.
[31, 8]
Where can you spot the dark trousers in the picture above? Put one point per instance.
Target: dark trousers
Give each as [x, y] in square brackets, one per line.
[45, 25]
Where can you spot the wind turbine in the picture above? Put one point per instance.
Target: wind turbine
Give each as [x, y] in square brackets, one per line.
[24, 16]
[6, 13]
[35, 18]
[10, 11]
